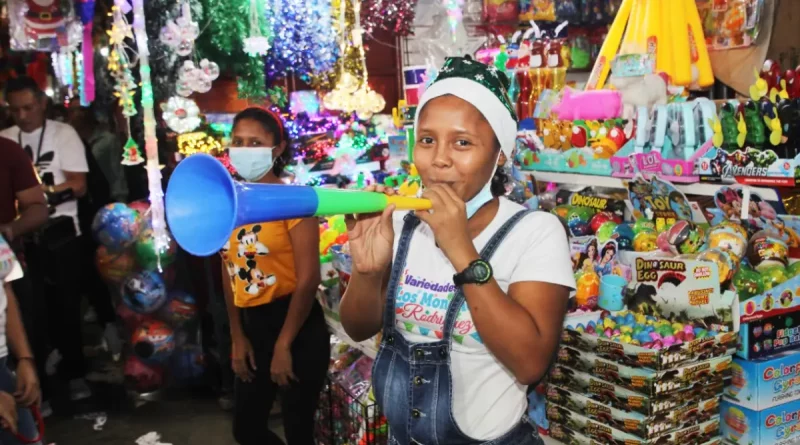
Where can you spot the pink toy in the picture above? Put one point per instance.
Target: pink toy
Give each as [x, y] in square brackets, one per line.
[589, 105]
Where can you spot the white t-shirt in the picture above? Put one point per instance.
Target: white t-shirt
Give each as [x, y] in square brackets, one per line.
[10, 270]
[62, 151]
[487, 399]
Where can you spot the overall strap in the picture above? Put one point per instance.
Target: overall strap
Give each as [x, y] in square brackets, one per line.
[410, 223]
[486, 253]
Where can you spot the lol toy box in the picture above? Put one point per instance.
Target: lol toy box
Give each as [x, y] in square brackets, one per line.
[765, 383]
[779, 425]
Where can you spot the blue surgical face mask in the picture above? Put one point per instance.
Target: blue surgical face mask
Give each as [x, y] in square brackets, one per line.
[479, 200]
[252, 163]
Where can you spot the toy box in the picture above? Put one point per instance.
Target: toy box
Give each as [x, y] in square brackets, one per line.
[600, 390]
[631, 422]
[747, 165]
[779, 425]
[600, 431]
[769, 322]
[765, 383]
[644, 380]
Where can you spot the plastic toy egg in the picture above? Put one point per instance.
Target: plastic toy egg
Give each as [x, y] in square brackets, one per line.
[561, 211]
[601, 218]
[724, 261]
[773, 276]
[645, 241]
[793, 269]
[766, 250]
[578, 220]
[735, 227]
[728, 237]
[748, 283]
[605, 232]
[685, 237]
[643, 224]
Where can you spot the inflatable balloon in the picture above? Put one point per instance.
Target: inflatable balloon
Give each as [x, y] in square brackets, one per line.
[129, 318]
[141, 206]
[116, 226]
[142, 377]
[153, 341]
[114, 267]
[179, 309]
[144, 292]
[146, 253]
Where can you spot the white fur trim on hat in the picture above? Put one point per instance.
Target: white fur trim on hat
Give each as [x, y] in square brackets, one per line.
[504, 126]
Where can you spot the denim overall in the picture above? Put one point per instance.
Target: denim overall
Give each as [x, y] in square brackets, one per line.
[413, 383]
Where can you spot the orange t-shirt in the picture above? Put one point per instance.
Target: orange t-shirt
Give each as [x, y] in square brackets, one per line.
[260, 262]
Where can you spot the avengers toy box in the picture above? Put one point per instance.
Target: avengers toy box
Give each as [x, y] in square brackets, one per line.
[765, 383]
[779, 425]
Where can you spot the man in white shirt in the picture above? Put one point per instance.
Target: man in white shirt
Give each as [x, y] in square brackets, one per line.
[60, 159]
[54, 147]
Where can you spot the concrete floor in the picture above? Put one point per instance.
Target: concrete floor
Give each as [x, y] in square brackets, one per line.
[188, 421]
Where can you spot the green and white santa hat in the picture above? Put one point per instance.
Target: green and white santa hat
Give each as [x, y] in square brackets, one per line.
[485, 87]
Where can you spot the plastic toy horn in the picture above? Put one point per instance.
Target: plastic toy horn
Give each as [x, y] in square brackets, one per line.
[204, 204]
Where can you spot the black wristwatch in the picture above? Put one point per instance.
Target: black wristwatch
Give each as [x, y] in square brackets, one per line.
[478, 272]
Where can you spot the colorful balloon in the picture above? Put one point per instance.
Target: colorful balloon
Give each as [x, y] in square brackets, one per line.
[146, 253]
[153, 341]
[116, 226]
[113, 267]
[144, 292]
[180, 308]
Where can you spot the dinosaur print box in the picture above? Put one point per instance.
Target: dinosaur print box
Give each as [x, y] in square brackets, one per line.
[685, 291]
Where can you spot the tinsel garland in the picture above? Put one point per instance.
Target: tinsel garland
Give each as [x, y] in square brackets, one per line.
[350, 56]
[303, 39]
[223, 30]
[395, 15]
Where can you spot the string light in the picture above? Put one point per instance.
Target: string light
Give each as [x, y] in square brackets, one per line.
[198, 142]
[158, 223]
[256, 44]
[117, 62]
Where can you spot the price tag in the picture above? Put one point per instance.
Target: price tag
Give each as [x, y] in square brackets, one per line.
[745, 203]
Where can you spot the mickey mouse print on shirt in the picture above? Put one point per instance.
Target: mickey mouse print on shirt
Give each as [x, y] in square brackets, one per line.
[260, 262]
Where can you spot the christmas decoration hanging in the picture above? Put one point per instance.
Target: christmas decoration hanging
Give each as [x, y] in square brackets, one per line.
[130, 153]
[117, 62]
[181, 115]
[454, 15]
[303, 40]
[43, 25]
[86, 13]
[193, 79]
[256, 44]
[394, 15]
[180, 34]
[161, 238]
[277, 96]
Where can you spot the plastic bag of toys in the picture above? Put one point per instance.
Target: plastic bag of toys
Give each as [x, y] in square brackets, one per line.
[43, 25]
[500, 11]
[538, 10]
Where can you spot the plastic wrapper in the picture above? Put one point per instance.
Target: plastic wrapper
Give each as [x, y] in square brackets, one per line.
[538, 10]
[500, 11]
[357, 379]
[44, 25]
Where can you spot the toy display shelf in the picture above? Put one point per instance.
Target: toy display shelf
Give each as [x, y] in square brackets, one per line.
[703, 189]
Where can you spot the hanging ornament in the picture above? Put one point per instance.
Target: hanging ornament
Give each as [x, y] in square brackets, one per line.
[181, 115]
[255, 44]
[193, 79]
[86, 12]
[393, 15]
[130, 153]
[277, 96]
[454, 15]
[117, 61]
[180, 34]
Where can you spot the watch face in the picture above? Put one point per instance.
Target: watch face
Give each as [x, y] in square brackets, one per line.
[482, 271]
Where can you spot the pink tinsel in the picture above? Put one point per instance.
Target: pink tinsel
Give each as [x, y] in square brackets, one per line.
[395, 15]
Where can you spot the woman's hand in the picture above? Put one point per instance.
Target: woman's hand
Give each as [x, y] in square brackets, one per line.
[244, 359]
[281, 369]
[27, 393]
[372, 237]
[448, 220]
[8, 412]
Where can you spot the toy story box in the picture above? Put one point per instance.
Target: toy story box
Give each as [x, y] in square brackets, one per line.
[779, 425]
[765, 383]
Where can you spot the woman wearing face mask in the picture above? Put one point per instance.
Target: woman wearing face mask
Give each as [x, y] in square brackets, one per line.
[280, 340]
[471, 295]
